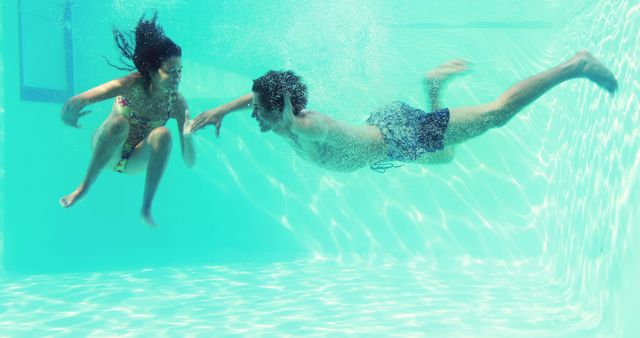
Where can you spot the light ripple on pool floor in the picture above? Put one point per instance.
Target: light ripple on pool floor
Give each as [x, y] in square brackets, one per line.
[457, 299]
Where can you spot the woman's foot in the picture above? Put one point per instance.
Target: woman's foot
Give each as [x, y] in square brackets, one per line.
[148, 219]
[595, 71]
[73, 197]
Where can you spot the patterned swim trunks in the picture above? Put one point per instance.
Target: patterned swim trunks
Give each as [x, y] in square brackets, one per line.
[410, 132]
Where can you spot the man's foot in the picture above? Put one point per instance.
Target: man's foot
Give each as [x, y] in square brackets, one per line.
[148, 219]
[72, 198]
[595, 71]
[444, 72]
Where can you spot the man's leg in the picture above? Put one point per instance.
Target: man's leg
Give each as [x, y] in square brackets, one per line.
[468, 122]
[435, 81]
[108, 139]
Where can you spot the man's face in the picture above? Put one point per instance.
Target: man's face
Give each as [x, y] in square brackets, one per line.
[266, 119]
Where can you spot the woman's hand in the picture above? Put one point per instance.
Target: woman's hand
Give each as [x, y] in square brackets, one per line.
[72, 111]
[213, 116]
[187, 127]
[186, 140]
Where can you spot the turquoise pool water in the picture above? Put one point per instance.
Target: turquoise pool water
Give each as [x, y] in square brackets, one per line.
[531, 231]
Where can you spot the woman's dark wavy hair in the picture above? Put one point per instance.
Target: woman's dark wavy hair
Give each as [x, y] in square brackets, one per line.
[272, 86]
[151, 48]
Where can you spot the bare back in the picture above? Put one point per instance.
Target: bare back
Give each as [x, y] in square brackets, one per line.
[344, 147]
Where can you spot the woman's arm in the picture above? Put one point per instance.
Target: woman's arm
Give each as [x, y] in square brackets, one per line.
[72, 109]
[214, 116]
[181, 114]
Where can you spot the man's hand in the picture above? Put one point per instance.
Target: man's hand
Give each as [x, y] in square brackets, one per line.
[213, 116]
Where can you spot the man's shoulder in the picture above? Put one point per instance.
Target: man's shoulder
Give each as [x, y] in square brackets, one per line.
[306, 113]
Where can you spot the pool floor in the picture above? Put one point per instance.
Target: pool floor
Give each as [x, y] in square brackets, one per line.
[418, 297]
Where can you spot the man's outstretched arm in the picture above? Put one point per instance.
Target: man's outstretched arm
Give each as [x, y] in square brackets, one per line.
[215, 115]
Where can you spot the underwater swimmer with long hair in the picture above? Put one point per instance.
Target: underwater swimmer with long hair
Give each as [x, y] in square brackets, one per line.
[134, 136]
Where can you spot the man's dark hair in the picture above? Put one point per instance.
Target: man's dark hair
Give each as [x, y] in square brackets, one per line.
[151, 48]
[272, 86]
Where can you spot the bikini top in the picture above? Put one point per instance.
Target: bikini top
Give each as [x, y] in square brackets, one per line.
[139, 122]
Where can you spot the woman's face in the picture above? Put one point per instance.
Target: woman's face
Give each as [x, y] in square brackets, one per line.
[169, 74]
